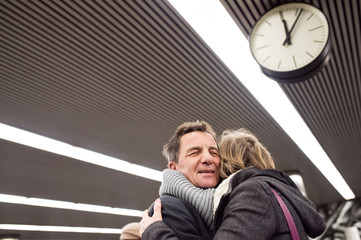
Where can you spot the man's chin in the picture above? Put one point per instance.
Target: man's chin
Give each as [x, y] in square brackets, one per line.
[208, 184]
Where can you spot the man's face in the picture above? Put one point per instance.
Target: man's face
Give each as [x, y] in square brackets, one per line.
[198, 159]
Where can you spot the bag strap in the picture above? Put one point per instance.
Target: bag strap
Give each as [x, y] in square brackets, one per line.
[289, 219]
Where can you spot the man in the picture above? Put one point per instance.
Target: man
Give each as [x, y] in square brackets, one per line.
[193, 151]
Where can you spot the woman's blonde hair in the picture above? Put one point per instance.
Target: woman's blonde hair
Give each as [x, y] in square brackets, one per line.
[240, 149]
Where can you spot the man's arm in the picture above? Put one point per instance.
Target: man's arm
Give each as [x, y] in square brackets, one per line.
[180, 221]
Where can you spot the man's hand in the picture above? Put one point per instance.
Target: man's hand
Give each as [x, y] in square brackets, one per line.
[146, 220]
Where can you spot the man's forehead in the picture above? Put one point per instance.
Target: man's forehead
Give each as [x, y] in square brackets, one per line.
[197, 138]
[198, 133]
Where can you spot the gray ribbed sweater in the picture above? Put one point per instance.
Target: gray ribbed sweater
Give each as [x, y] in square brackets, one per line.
[175, 184]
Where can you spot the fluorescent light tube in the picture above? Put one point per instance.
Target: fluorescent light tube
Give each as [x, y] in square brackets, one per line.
[40, 202]
[50, 145]
[216, 27]
[23, 227]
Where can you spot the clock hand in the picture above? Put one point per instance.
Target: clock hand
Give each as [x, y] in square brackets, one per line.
[288, 35]
[289, 40]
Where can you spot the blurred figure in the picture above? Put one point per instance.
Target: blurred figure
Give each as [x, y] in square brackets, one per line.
[130, 231]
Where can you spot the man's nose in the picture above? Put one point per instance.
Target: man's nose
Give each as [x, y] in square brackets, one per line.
[207, 158]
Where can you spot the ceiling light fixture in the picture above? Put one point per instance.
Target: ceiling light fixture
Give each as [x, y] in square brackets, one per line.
[40, 202]
[23, 227]
[50, 145]
[10, 236]
[298, 180]
[216, 27]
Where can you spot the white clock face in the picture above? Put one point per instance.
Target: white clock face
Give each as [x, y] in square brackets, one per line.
[289, 37]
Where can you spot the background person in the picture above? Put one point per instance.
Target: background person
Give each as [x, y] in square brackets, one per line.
[130, 231]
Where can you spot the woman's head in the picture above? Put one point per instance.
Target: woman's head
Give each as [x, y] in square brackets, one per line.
[240, 149]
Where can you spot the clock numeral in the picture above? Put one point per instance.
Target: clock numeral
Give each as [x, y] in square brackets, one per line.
[310, 16]
[261, 47]
[268, 22]
[294, 60]
[315, 28]
[309, 54]
[318, 41]
[279, 65]
[296, 12]
[266, 59]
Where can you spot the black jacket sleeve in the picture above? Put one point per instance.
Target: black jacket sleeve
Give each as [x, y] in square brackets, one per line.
[180, 221]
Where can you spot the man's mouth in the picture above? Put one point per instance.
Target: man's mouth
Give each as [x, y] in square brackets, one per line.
[207, 171]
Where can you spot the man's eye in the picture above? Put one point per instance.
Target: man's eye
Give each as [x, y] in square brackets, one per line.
[215, 153]
[193, 153]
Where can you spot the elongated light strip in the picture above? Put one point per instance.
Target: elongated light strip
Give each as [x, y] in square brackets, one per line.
[216, 27]
[50, 145]
[40, 202]
[23, 227]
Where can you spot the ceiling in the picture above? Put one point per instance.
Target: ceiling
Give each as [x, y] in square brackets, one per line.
[117, 77]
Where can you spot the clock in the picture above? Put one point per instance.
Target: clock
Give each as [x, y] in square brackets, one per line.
[291, 42]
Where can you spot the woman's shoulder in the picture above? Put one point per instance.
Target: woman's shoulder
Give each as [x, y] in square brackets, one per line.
[244, 175]
[252, 186]
[248, 184]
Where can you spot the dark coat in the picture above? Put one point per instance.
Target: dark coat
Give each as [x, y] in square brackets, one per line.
[182, 218]
[249, 210]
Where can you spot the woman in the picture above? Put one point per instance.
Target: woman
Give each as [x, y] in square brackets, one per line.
[244, 205]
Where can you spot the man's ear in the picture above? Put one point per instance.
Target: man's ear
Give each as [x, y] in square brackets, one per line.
[172, 165]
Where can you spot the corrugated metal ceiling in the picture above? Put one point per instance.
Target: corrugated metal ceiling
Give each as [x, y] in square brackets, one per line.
[117, 77]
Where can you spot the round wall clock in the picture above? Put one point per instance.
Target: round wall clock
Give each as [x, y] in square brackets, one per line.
[291, 42]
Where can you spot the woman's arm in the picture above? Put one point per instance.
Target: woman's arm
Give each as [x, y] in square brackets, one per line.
[180, 221]
[161, 229]
[146, 220]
